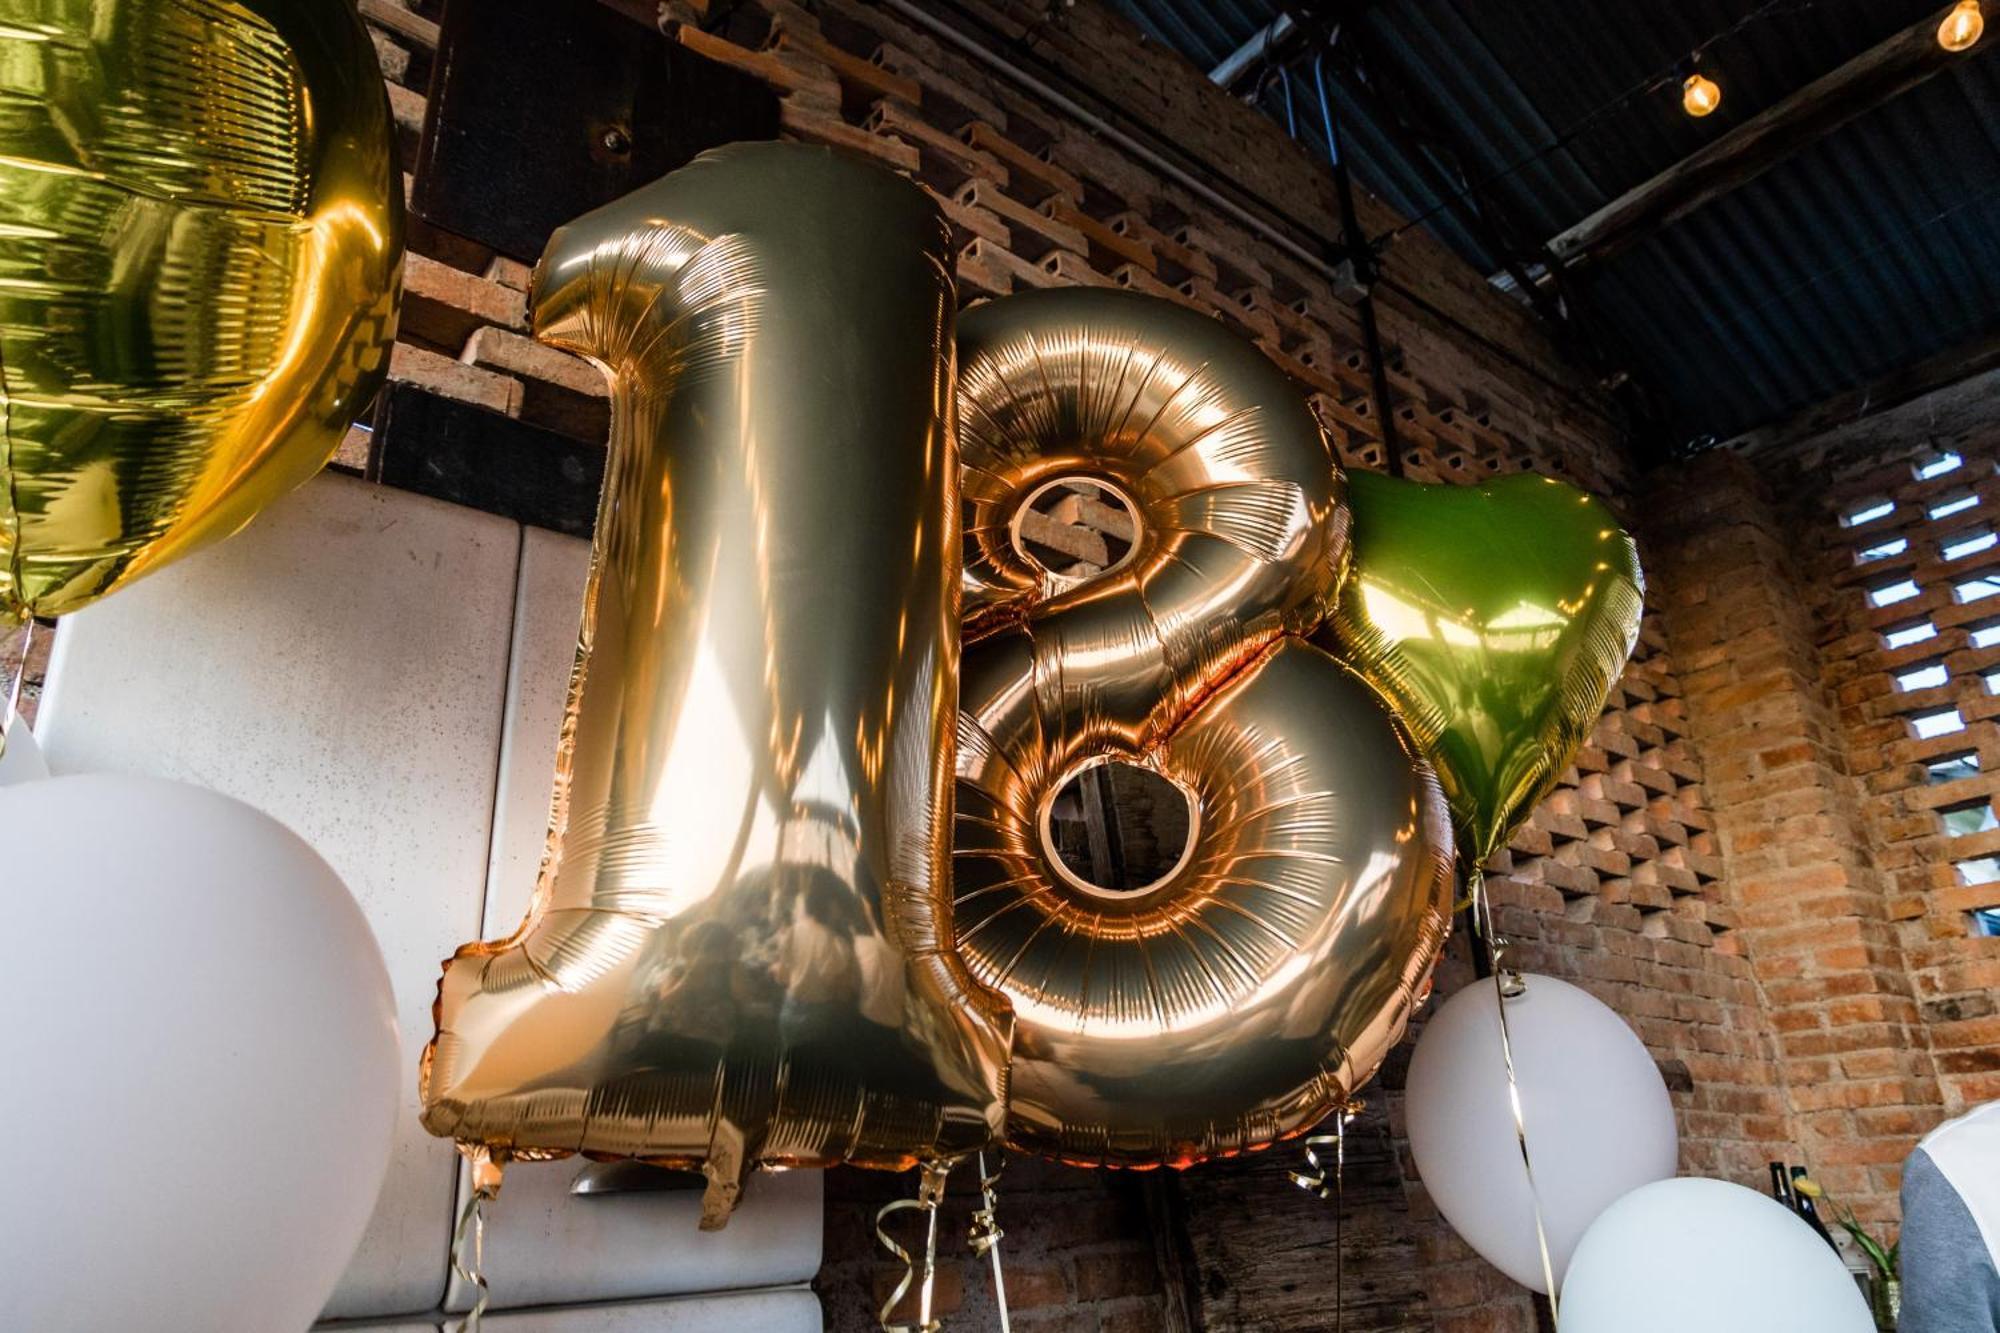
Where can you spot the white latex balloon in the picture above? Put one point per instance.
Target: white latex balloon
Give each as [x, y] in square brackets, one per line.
[1599, 1120]
[20, 759]
[201, 1063]
[1703, 1254]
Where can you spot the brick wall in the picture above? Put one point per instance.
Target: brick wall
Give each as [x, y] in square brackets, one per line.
[1829, 607]
[1757, 683]
[1808, 892]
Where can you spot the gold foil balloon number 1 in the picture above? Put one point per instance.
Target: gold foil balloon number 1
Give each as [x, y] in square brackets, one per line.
[200, 253]
[740, 951]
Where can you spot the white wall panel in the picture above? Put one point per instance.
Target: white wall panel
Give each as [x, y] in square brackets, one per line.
[762, 1311]
[548, 609]
[546, 1246]
[21, 757]
[342, 666]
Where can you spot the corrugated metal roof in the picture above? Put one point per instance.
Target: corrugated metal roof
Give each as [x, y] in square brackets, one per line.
[1873, 249]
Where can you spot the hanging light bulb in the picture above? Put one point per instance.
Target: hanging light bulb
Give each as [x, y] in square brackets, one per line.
[1961, 27]
[1700, 95]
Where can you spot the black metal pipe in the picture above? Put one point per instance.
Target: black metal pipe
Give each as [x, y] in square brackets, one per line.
[1256, 54]
[1363, 260]
[1464, 199]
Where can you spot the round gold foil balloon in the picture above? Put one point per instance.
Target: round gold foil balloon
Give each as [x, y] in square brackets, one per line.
[200, 256]
[1242, 995]
[1497, 618]
[740, 951]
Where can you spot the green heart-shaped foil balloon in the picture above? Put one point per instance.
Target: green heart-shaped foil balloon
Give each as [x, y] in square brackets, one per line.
[1495, 617]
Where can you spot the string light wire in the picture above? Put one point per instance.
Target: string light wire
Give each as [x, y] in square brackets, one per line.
[1670, 76]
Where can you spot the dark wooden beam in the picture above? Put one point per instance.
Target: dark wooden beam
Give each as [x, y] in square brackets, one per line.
[466, 455]
[1845, 410]
[1760, 143]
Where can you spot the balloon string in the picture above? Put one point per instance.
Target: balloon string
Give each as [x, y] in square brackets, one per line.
[1507, 985]
[930, 1190]
[1313, 1180]
[468, 1256]
[986, 1233]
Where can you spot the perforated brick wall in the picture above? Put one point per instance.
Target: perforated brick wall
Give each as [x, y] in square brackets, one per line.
[1881, 956]
[1908, 571]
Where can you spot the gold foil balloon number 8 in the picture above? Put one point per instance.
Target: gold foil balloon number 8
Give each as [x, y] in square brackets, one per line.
[1261, 978]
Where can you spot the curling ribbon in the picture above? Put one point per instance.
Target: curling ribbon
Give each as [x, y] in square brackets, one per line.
[1507, 984]
[930, 1191]
[468, 1257]
[986, 1233]
[1313, 1181]
[468, 1242]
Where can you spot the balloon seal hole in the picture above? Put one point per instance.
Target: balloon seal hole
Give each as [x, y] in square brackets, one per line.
[1114, 830]
[1074, 529]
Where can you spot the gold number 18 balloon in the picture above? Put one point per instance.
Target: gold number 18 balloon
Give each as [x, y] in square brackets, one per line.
[200, 253]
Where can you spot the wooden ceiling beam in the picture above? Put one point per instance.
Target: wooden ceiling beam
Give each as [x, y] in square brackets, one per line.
[1846, 411]
[1760, 143]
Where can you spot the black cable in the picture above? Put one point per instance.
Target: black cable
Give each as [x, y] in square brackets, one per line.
[1652, 83]
[1363, 260]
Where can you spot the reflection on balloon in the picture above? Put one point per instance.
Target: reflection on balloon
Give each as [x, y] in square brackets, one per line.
[1598, 1117]
[1497, 618]
[1243, 994]
[740, 949]
[200, 255]
[201, 1063]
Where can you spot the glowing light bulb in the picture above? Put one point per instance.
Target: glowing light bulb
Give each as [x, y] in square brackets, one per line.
[1700, 95]
[1961, 27]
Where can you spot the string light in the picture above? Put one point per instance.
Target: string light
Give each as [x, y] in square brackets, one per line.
[1700, 95]
[1961, 27]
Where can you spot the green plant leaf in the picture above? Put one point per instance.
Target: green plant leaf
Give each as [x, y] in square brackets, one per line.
[1884, 1259]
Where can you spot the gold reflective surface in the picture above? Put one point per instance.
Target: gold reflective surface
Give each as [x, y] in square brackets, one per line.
[1243, 995]
[741, 947]
[200, 256]
[1496, 617]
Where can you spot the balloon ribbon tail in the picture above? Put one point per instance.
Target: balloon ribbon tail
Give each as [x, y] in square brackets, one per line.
[930, 1191]
[986, 1233]
[468, 1242]
[1313, 1180]
[1508, 985]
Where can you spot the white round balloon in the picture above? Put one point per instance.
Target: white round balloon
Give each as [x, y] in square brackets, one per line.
[1704, 1254]
[201, 1063]
[1598, 1117]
